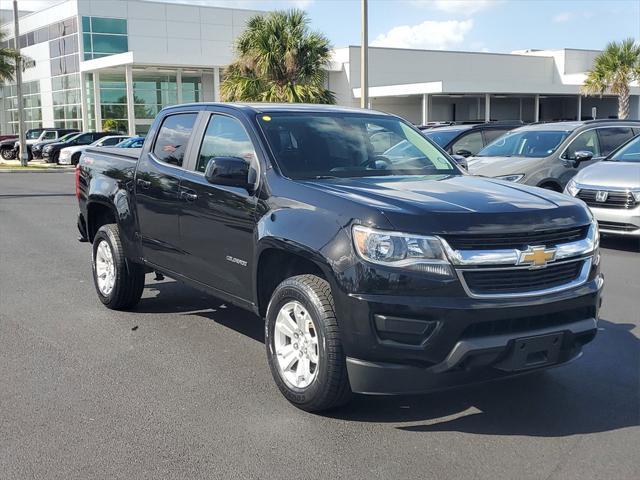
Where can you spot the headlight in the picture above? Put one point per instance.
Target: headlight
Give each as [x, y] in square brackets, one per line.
[511, 178]
[401, 250]
[572, 188]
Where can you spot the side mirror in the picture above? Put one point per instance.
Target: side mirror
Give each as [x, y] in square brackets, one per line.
[460, 160]
[463, 153]
[583, 156]
[230, 171]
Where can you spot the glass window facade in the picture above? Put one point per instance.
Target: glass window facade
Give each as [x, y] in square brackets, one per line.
[30, 101]
[67, 110]
[103, 36]
[113, 101]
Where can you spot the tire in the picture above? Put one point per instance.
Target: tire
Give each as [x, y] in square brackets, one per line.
[8, 153]
[551, 186]
[128, 277]
[75, 158]
[329, 386]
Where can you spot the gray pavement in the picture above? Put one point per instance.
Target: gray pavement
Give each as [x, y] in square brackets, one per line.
[180, 388]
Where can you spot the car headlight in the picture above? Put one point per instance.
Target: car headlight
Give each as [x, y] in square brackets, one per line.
[511, 178]
[572, 188]
[402, 250]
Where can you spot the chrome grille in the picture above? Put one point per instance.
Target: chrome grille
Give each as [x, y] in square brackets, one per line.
[613, 200]
[518, 240]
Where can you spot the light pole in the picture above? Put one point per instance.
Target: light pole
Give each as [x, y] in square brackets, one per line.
[21, 140]
[364, 57]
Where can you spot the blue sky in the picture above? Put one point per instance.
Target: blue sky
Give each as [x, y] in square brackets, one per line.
[476, 25]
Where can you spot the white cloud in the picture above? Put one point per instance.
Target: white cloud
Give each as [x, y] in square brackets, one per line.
[562, 17]
[427, 35]
[457, 7]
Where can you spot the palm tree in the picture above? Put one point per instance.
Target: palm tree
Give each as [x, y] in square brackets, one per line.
[7, 60]
[613, 70]
[279, 60]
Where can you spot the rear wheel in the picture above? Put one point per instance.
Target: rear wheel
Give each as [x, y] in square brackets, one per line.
[119, 283]
[303, 344]
[75, 158]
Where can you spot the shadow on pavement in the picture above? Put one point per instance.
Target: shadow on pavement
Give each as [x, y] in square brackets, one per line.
[598, 392]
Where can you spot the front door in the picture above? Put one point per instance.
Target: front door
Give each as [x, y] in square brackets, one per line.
[157, 185]
[217, 222]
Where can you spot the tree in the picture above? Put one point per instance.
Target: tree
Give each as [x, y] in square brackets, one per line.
[7, 60]
[613, 70]
[278, 59]
[112, 125]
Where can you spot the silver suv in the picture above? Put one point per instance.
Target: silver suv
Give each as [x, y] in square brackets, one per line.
[548, 155]
[611, 188]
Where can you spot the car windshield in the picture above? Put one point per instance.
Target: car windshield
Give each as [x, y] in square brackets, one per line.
[628, 153]
[441, 137]
[525, 143]
[321, 145]
[131, 143]
[33, 134]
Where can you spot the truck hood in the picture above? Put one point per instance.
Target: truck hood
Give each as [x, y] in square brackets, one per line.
[495, 166]
[610, 174]
[458, 204]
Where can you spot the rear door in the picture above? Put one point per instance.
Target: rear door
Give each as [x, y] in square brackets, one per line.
[157, 191]
[217, 222]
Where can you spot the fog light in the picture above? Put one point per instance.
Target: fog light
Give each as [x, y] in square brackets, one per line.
[404, 330]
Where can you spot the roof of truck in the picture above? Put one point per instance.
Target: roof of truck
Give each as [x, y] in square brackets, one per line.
[286, 107]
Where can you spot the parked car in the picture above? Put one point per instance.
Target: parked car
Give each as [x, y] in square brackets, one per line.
[51, 152]
[548, 155]
[71, 155]
[466, 140]
[49, 134]
[133, 142]
[9, 136]
[611, 188]
[36, 148]
[375, 275]
[7, 146]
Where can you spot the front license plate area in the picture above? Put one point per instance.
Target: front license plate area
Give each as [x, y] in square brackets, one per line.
[532, 352]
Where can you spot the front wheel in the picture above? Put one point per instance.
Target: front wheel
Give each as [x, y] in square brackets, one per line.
[119, 283]
[304, 350]
[8, 153]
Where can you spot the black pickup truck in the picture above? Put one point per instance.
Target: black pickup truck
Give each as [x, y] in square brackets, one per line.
[377, 269]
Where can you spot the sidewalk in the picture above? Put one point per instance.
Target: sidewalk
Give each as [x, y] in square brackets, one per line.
[34, 166]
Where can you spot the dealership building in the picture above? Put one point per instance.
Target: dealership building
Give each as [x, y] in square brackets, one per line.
[124, 60]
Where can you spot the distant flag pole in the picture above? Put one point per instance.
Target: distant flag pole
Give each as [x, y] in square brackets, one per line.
[364, 57]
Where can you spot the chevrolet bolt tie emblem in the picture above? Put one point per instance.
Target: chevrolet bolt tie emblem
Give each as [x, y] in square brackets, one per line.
[536, 256]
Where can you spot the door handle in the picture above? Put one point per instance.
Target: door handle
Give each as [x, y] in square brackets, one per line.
[143, 183]
[189, 195]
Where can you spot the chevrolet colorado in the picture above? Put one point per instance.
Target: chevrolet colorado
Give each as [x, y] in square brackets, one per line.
[377, 269]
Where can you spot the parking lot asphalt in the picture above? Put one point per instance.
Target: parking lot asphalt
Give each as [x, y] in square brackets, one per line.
[180, 388]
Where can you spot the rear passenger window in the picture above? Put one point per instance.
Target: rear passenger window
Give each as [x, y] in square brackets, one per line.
[611, 138]
[225, 137]
[173, 138]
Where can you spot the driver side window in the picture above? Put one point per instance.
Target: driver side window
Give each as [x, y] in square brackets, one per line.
[225, 137]
[585, 141]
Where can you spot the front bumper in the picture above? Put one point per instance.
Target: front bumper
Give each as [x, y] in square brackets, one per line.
[64, 158]
[618, 221]
[448, 338]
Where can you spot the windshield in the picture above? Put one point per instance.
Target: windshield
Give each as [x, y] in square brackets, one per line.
[628, 153]
[131, 143]
[525, 143]
[350, 145]
[441, 137]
